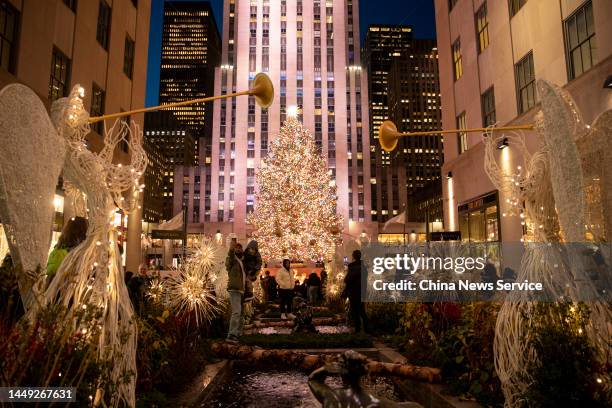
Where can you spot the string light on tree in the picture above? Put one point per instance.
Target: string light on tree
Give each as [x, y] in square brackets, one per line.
[295, 214]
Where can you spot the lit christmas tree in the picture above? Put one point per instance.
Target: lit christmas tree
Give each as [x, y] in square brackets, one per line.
[295, 215]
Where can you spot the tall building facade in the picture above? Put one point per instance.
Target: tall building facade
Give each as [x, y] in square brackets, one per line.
[52, 45]
[404, 88]
[190, 52]
[383, 44]
[410, 179]
[491, 54]
[310, 50]
[175, 145]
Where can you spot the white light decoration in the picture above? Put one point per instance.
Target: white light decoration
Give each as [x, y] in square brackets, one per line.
[92, 273]
[292, 111]
[295, 215]
[193, 290]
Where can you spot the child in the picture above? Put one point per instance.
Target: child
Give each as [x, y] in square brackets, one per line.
[252, 265]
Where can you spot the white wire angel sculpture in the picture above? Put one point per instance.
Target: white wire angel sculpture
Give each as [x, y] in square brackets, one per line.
[551, 186]
[91, 275]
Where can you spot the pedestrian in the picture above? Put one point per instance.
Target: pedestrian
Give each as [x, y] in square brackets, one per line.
[273, 288]
[235, 287]
[323, 282]
[298, 289]
[73, 234]
[264, 281]
[284, 278]
[352, 291]
[252, 265]
[314, 286]
[137, 288]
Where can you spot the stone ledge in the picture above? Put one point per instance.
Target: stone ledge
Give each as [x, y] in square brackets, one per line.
[204, 385]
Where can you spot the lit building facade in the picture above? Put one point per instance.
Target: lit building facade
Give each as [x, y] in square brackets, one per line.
[176, 147]
[190, 52]
[153, 198]
[383, 44]
[52, 45]
[310, 50]
[410, 177]
[491, 53]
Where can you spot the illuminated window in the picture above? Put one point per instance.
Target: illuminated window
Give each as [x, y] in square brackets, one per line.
[482, 27]
[461, 136]
[457, 63]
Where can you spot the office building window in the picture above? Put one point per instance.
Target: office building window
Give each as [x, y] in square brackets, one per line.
[488, 107]
[97, 107]
[71, 4]
[451, 4]
[482, 27]
[525, 83]
[515, 6]
[60, 73]
[104, 20]
[8, 35]
[580, 41]
[461, 136]
[128, 57]
[457, 64]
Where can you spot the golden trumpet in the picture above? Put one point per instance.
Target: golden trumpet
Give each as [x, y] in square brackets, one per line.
[262, 89]
[388, 134]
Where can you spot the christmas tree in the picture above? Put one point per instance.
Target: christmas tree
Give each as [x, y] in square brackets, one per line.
[295, 215]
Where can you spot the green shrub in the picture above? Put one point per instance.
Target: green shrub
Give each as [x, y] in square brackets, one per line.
[567, 373]
[384, 318]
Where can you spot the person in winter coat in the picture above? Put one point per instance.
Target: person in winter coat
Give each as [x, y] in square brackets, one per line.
[235, 286]
[352, 291]
[252, 265]
[284, 279]
[73, 234]
[265, 281]
[314, 286]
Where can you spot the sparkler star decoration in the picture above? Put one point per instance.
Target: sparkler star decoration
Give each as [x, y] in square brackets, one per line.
[193, 291]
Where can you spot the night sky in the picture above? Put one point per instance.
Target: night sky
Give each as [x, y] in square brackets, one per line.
[417, 13]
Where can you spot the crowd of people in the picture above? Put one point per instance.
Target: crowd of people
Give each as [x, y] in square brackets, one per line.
[243, 267]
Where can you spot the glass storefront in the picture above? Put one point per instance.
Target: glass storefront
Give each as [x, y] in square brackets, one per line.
[479, 219]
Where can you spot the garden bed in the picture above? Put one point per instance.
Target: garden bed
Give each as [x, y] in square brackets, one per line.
[307, 341]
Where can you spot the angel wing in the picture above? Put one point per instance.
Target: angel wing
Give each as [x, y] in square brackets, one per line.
[31, 159]
[560, 127]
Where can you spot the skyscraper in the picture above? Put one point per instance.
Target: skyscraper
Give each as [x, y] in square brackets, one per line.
[403, 84]
[414, 172]
[175, 146]
[308, 48]
[190, 53]
[382, 44]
